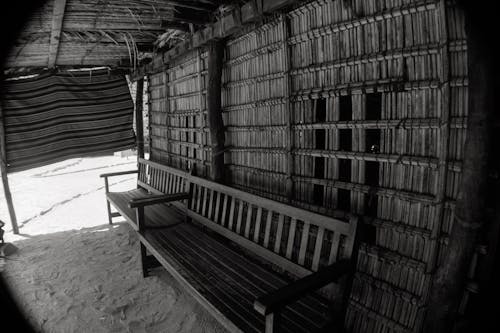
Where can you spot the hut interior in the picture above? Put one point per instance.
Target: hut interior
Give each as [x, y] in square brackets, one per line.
[375, 109]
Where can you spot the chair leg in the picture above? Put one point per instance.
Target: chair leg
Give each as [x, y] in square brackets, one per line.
[110, 218]
[143, 261]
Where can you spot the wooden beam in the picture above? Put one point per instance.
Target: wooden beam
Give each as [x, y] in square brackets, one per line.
[139, 126]
[214, 110]
[5, 179]
[55, 34]
[450, 279]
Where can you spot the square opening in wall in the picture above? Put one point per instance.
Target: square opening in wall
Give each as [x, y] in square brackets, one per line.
[320, 110]
[318, 194]
[371, 205]
[345, 108]
[373, 106]
[372, 141]
[320, 139]
[345, 139]
[344, 170]
[343, 199]
[372, 173]
[319, 167]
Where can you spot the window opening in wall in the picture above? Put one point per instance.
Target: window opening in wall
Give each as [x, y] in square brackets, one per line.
[345, 139]
[344, 170]
[372, 173]
[320, 110]
[373, 106]
[372, 141]
[343, 199]
[345, 108]
[320, 139]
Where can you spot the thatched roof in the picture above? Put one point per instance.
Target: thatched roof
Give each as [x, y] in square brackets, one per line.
[74, 33]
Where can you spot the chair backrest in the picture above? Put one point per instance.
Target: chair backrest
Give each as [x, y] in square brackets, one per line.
[296, 240]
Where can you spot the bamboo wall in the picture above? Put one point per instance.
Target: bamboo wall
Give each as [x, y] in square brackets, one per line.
[178, 114]
[341, 106]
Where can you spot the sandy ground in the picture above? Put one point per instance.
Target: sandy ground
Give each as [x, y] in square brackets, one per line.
[75, 273]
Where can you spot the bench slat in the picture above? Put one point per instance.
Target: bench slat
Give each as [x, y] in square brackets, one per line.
[267, 231]
[258, 219]
[279, 234]
[210, 206]
[240, 215]
[249, 220]
[217, 206]
[231, 214]
[291, 238]
[317, 249]
[303, 243]
[224, 210]
[334, 248]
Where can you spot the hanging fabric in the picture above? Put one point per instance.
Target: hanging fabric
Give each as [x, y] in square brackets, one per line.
[56, 116]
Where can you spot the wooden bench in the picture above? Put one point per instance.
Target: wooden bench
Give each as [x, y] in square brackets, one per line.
[253, 263]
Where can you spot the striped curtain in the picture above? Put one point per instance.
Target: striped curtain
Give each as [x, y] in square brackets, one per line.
[53, 117]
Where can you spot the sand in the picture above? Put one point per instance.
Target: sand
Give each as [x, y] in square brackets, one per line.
[75, 273]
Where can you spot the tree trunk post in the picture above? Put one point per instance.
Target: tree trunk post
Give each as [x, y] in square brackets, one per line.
[469, 216]
[214, 110]
[139, 127]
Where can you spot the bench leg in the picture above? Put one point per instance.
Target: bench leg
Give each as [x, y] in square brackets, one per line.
[143, 261]
[272, 322]
[110, 218]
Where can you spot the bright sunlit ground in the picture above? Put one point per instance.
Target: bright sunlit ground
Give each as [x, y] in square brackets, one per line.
[75, 273]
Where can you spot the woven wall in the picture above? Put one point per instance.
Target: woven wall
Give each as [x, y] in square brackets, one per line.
[377, 93]
[340, 106]
[178, 114]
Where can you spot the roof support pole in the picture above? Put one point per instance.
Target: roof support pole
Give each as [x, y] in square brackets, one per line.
[139, 126]
[214, 110]
[469, 216]
[5, 179]
[55, 34]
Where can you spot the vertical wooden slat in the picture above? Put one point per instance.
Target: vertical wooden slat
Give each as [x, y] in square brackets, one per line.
[267, 231]
[231, 213]
[249, 220]
[224, 210]
[204, 205]
[210, 204]
[240, 215]
[217, 207]
[257, 225]
[317, 248]
[334, 249]
[291, 238]
[303, 243]
[199, 198]
[279, 233]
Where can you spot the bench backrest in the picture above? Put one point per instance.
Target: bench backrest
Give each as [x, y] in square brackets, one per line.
[296, 240]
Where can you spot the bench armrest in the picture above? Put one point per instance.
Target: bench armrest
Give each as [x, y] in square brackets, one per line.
[156, 199]
[118, 173]
[278, 299]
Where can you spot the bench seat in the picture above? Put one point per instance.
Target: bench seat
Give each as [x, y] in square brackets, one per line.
[227, 281]
[157, 216]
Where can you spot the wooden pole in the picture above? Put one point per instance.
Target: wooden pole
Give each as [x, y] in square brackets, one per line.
[214, 110]
[5, 179]
[139, 127]
[450, 278]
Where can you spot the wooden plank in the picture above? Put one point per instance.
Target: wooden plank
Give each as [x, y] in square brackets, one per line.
[231, 214]
[224, 210]
[303, 243]
[217, 206]
[317, 249]
[334, 248]
[258, 219]
[55, 33]
[279, 233]
[240, 215]
[291, 237]
[249, 220]
[267, 231]
[251, 246]
[175, 271]
[211, 204]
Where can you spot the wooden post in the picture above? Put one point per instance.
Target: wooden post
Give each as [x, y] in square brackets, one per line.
[450, 278]
[5, 179]
[214, 111]
[139, 127]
